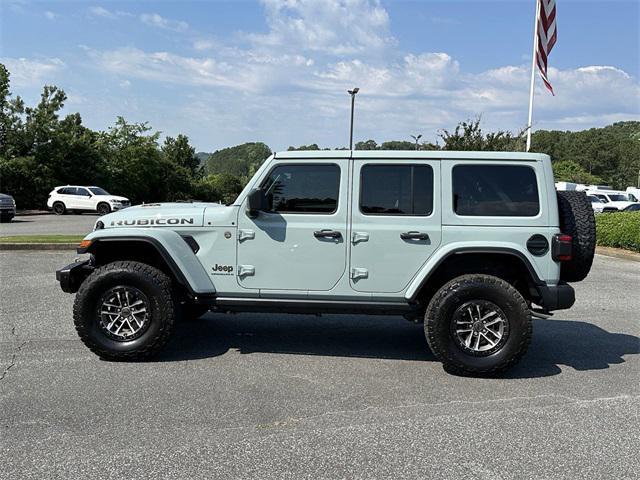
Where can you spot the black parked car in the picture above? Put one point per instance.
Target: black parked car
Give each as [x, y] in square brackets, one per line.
[7, 208]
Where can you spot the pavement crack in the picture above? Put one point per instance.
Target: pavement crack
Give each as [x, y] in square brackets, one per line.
[14, 355]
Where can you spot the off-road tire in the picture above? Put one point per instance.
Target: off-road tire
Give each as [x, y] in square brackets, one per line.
[578, 220]
[103, 208]
[439, 316]
[6, 219]
[59, 208]
[157, 288]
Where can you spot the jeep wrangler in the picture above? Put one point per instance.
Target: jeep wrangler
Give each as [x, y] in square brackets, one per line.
[471, 243]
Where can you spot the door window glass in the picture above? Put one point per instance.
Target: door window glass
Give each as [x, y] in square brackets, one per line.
[396, 190]
[303, 188]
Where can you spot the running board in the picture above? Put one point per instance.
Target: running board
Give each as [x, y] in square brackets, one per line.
[288, 305]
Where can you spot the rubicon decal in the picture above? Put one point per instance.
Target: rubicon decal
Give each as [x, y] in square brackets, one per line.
[153, 221]
[222, 269]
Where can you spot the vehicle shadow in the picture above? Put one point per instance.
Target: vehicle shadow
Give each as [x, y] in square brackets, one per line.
[577, 344]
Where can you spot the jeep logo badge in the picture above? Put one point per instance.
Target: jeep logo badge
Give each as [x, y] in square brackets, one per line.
[222, 269]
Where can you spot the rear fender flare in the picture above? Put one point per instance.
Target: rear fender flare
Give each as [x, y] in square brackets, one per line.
[454, 249]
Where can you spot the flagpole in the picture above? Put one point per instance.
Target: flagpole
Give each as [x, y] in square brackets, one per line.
[533, 74]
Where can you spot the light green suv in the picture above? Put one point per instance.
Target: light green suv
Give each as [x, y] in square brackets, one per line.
[471, 243]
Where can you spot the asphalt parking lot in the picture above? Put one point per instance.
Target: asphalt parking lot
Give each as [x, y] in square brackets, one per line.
[280, 396]
[49, 224]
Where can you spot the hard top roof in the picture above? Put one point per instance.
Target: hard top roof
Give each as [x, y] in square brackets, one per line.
[411, 154]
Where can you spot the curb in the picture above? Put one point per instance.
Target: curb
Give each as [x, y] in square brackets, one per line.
[30, 213]
[38, 246]
[618, 253]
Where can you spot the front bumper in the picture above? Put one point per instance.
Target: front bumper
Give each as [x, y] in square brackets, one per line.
[72, 276]
[6, 211]
[557, 297]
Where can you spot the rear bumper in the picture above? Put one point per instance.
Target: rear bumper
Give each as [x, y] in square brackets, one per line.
[557, 297]
[72, 276]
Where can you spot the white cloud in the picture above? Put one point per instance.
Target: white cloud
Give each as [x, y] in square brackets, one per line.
[98, 11]
[27, 72]
[336, 27]
[49, 15]
[289, 85]
[155, 20]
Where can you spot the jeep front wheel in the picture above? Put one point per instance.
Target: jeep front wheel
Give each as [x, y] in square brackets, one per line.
[478, 325]
[124, 311]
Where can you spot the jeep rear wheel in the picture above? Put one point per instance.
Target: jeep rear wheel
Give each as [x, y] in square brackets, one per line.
[59, 208]
[478, 325]
[124, 311]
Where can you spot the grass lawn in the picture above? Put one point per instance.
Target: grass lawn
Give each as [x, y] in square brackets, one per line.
[41, 239]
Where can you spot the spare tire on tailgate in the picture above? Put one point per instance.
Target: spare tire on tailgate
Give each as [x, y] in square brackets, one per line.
[577, 219]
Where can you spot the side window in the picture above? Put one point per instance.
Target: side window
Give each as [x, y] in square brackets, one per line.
[83, 192]
[299, 188]
[67, 191]
[495, 191]
[396, 190]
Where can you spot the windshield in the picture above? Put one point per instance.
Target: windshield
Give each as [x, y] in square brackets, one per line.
[98, 191]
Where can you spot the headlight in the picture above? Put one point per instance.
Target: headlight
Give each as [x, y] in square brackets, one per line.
[115, 201]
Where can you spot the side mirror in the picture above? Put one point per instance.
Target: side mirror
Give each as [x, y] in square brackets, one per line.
[256, 202]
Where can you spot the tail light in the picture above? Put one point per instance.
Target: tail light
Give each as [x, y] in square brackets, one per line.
[561, 250]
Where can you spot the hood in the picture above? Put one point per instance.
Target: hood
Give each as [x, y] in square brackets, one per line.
[115, 197]
[159, 215]
[4, 196]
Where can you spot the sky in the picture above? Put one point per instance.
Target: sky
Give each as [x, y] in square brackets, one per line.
[277, 71]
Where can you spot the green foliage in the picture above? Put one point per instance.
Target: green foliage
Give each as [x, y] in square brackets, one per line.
[313, 146]
[570, 171]
[241, 161]
[611, 153]
[469, 136]
[619, 230]
[222, 187]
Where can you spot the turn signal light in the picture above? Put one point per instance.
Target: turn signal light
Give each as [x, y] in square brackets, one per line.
[85, 244]
[562, 247]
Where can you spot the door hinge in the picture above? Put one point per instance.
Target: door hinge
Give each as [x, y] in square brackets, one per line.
[358, 237]
[246, 270]
[246, 235]
[357, 273]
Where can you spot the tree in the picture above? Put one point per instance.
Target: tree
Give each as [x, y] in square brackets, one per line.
[178, 151]
[469, 136]
[570, 171]
[241, 161]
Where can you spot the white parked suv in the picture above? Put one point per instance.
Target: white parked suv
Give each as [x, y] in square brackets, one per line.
[89, 199]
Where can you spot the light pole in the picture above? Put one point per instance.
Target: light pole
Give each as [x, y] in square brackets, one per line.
[416, 138]
[353, 102]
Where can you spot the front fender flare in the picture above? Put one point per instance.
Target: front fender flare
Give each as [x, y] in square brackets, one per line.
[181, 260]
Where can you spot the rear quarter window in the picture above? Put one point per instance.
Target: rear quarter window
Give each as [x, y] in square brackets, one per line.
[495, 191]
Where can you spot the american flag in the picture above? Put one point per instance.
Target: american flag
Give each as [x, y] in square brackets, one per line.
[547, 35]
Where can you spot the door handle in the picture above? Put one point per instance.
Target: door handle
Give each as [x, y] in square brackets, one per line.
[327, 234]
[414, 236]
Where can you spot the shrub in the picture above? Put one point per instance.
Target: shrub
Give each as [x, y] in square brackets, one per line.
[620, 230]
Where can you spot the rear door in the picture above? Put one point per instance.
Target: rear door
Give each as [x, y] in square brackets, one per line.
[396, 219]
[299, 242]
[84, 199]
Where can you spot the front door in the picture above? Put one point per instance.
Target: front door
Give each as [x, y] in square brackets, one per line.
[396, 222]
[299, 242]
